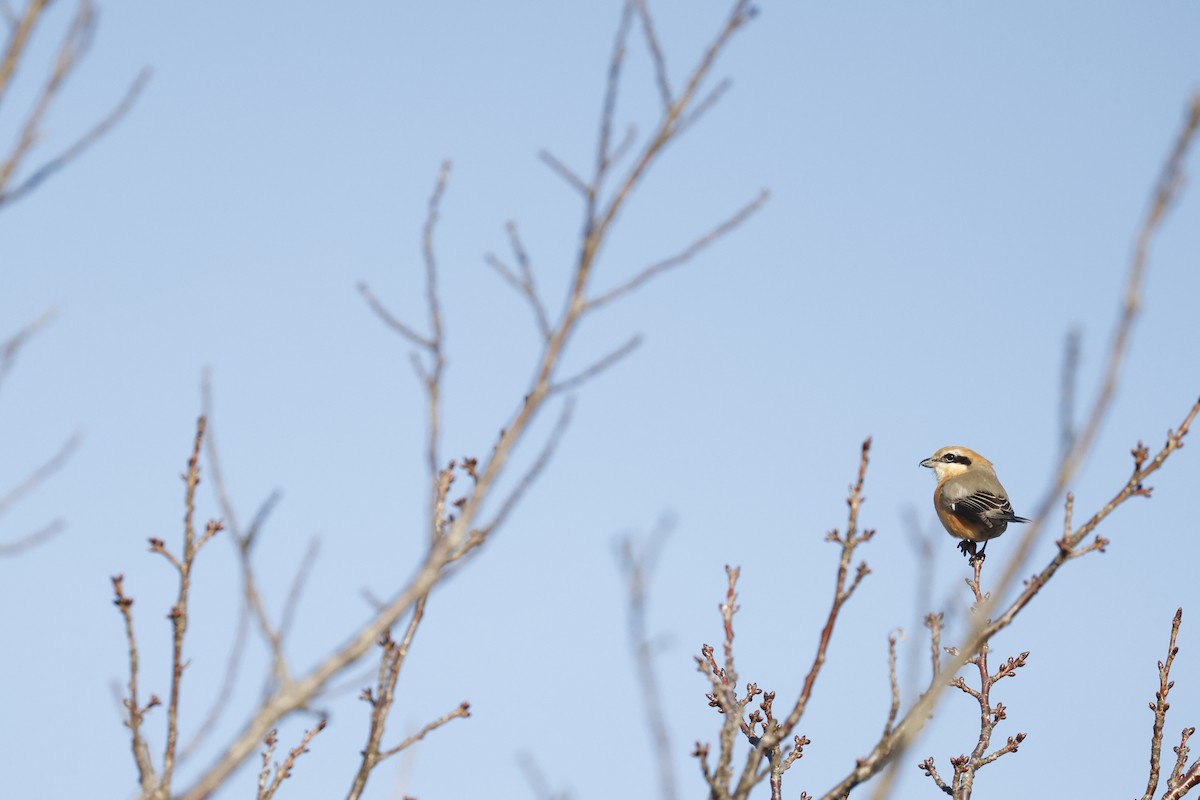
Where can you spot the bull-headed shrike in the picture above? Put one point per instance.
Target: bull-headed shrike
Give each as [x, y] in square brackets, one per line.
[969, 499]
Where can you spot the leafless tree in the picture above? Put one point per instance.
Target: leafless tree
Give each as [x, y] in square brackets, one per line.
[458, 520]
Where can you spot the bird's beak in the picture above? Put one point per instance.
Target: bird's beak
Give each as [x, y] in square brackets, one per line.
[927, 463]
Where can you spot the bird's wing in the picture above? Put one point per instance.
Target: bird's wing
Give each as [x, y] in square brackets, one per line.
[978, 505]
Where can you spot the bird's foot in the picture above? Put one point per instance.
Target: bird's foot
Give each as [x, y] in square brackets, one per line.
[967, 548]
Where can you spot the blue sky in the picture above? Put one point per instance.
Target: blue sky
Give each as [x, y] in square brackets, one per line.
[953, 189]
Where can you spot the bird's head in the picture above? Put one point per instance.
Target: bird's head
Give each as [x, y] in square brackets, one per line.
[953, 460]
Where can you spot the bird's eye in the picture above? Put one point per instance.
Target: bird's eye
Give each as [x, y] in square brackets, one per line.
[950, 458]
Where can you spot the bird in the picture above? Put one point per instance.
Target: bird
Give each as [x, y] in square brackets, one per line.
[969, 500]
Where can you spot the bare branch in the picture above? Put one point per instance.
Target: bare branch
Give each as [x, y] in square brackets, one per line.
[705, 105]
[656, 55]
[179, 611]
[1181, 756]
[563, 171]
[1160, 706]
[575, 381]
[41, 473]
[463, 710]
[1188, 781]
[252, 600]
[384, 696]
[895, 685]
[307, 561]
[1067, 387]
[74, 45]
[637, 567]
[524, 284]
[12, 347]
[531, 475]
[611, 90]
[135, 713]
[391, 321]
[283, 771]
[18, 40]
[31, 540]
[931, 771]
[934, 623]
[687, 254]
[83, 143]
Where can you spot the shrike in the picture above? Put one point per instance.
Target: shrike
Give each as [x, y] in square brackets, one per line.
[969, 499]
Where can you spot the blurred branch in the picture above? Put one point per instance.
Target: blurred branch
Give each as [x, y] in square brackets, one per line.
[637, 564]
[41, 473]
[524, 283]
[73, 47]
[684, 256]
[432, 343]
[656, 54]
[9, 350]
[20, 29]
[1067, 386]
[537, 780]
[82, 144]
[31, 540]
[253, 605]
[11, 347]
[893, 683]
[575, 381]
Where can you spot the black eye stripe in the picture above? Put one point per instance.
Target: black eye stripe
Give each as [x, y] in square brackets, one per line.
[955, 458]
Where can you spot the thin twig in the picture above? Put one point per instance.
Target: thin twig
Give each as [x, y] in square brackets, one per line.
[1067, 387]
[1181, 756]
[35, 478]
[656, 55]
[637, 566]
[682, 257]
[83, 143]
[391, 321]
[134, 711]
[18, 39]
[893, 683]
[575, 381]
[524, 283]
[74, 45]
[31, 540]
[1160, 706]
[531, 475]
[12, 346]
[463, 710]
[192, 543]
[563, 171]
[284, 771]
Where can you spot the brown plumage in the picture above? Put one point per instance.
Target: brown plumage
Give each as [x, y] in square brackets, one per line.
[969, 499]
